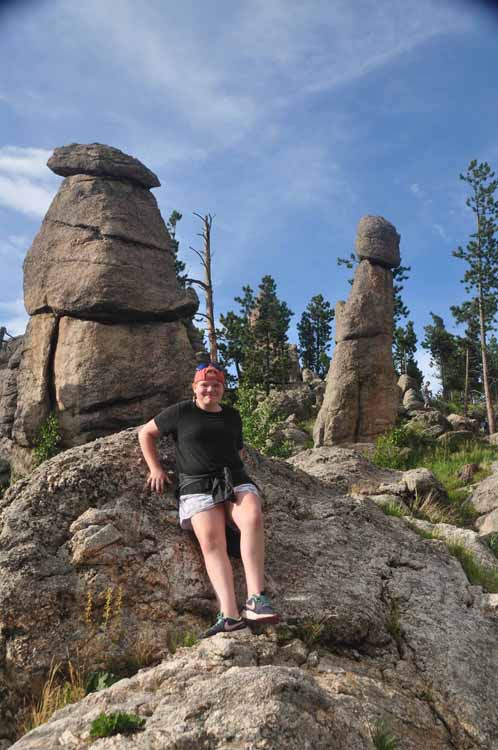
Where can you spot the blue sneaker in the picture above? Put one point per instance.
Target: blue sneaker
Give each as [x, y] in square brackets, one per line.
[259, 609]
[224, 625]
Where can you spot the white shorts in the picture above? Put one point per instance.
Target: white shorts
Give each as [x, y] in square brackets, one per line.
[196, 503]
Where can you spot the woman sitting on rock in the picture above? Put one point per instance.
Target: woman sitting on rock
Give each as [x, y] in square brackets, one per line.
[213, 489]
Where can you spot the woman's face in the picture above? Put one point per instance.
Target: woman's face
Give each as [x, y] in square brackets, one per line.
[208, 392]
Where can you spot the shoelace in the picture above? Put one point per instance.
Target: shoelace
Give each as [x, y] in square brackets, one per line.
[262, 599]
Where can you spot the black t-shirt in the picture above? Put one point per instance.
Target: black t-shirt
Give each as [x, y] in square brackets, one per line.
[205, 441]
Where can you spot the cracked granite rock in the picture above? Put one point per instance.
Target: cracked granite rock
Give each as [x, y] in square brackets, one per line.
[361, 399]
[108, 344]
[388, 624]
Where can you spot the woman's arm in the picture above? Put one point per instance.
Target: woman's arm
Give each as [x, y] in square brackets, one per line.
[147, 436]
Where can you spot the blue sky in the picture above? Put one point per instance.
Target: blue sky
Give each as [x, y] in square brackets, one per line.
[288, 120]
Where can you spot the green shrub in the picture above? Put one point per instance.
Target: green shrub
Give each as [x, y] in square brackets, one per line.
[48, 439]
[106, 725]
[258, 422]
[100, 680]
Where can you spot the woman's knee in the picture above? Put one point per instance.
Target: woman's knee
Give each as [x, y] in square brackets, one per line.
[210, 532]
[249, 514]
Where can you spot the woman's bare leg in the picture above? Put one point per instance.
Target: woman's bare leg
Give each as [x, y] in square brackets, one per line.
[209, 528]
[246, 513]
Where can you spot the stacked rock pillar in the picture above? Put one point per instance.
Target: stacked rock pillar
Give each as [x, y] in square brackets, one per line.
[362, 397]
[105, 346]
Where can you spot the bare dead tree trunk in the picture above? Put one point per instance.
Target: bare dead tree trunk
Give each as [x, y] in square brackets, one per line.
[466, 382]
[485, 376]
[207, 284]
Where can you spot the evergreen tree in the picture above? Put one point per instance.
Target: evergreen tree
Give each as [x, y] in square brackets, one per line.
[404, 350]
[315, 333]
[255, 339]
[180, 266]
[269, 362]
[469, 344]
[235, 338]
[445, 354]
[481, 257]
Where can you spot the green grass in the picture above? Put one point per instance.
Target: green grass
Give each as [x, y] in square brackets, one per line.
[477, 574]
[393, 509]
[382, 737]
[406, 448]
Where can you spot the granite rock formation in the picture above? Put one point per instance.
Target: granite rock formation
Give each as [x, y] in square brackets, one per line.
[379, 622]
[108, 343]
[361, 399]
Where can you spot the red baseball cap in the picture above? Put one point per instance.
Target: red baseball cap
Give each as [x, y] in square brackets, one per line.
[209, 372]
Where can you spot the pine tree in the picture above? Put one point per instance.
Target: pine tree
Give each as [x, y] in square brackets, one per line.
[468, 314]
[180, 266]
[315, 333]
[404, 350]
[235, 338]
[481, 257]
[444, 351]
[270, 362]
[255, 339]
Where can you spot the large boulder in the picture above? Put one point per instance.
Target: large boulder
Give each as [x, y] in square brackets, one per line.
[388, 622]
[377, 240]
[484, 497]
[459, 422]
[10, 358]
[412, 400]
[406, 383]
[103, 252]
[98, 387]
[34, 378]
[100, 160]
[429, 422]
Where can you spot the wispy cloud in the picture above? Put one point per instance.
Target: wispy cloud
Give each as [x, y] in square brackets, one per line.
[13, 316]
[26, 184]
[14, 246]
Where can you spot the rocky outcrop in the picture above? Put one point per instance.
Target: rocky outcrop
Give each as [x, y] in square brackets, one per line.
[108, 343]
[484, 501]
[459, 422]
[100, 160]
[361, 399]
[378, 622]
[10, 358]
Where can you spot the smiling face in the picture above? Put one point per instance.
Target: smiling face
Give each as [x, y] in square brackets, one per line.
[208, 394]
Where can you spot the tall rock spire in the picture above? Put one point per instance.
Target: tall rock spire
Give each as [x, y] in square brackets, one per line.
[361, 397]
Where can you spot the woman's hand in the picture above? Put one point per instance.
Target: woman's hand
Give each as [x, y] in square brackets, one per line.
[156, 480]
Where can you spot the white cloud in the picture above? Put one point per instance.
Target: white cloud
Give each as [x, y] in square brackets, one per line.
[224, 74]
[14, 246]
[26, 184]
[417, 190]
[31, 162]
[13, 316]
[25, 196]
[440, 230]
